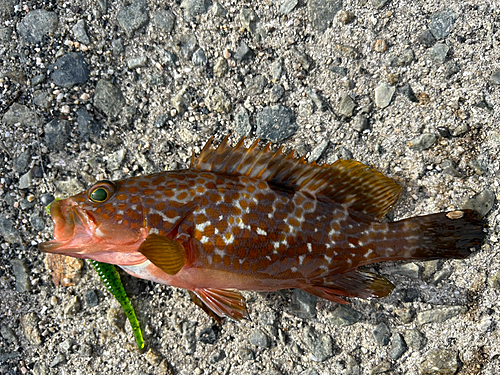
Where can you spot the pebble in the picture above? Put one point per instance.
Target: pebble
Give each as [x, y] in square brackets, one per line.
[108, 98]
[259, 338]
[72, 306]
[482, 203]
[320, 345]
[276, 69]
[406, 315]
[398, 346]
[86, 350]
[43, 99]
[103, 4]
[319, 103]
[276, 93]
[47, 199]
[243, 52]
[69, 70]
[450, 168]
[442, 23]
[21, 274]
[208, 336]
[187, 44]
[199, 58]
[426, 38]
[217, 100]
[344, 316]
[137, 62]
[378, 4]
[494, 280]
[25, 180]
[255, 85]
[405, 59]
[20, 114]
[303, 304]
[91, 299]
[495, 77]
[407, 91]
[9, 231]
[347, 106]
[439, 361]
[459, 130]
[384, 94]
[439, 52]
[477, 166]
[115, 160]
[287, 6]
[164, 20]
[415, 339]
[360, 123]
[8, 334]
[87, 127]
[194, 8]
[381, 334]
[117, 46]
[29, 325]
[380, 45]
[383, 367]
[116, 318]
[405, 269]
[57, 134]
[132, 17]
[439, 315]
[275, 123]
[346, 17]
[302, 58]
[322, 12]
[242, 122]
[58, 359]
[153, 357]
[246, 354]
[423, 141]
[318, 151]
[37, 24]
[249, 21]
[218, 356]
[80, 32]
[221, 67]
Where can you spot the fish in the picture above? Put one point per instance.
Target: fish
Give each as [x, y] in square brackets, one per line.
[256, 219]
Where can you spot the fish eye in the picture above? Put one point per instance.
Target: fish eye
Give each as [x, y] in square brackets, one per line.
[101, 191]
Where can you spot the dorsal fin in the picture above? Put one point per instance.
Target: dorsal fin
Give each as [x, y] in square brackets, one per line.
[346, 181]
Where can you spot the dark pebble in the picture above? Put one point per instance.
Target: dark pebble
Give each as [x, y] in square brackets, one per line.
[259, 338]
[303, 304]
[407, 91]
[320, 345]
[47, 199]
[132, 17]
[426, 39]
[164, 20]
[220, 355]
[37, 24]
[108, 98]
[187, 44]
[37, 223]
[86, 125]
[199, 58]
[193, 8]
[9, 231]
[57, 133]
[69, 70]
[275, 123]
[381, 334]
[340, 70]
[322, 12]
[242, 122]
[208, 336]
[160, 121]
[243, 52]
[91, 298]
[344, 316]
[22, 161]
[442, 23]
[21, 274]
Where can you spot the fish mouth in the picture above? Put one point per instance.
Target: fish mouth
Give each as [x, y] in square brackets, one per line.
[73, 227]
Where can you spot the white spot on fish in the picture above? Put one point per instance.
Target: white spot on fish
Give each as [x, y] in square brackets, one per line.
[368, 253]
[301, 259]
[261, 232]
[309, 247]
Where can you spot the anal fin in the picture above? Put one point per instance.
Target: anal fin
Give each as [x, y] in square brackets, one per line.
[351, 284]
[220, 303]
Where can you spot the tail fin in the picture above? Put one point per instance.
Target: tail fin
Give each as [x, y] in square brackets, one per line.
[443, 235]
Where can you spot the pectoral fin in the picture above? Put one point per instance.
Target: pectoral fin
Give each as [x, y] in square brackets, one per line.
[220, 303]
[164, 253]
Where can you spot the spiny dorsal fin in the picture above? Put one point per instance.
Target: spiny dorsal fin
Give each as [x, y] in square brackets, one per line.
[346, 181]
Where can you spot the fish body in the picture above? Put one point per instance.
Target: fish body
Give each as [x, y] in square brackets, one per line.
[249, 219]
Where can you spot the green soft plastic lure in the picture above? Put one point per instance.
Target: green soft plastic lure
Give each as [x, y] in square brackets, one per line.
[111, 279]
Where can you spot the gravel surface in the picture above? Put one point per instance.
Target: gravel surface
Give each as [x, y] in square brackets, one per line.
[100, 89]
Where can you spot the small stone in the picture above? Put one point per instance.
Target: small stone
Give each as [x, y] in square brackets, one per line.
[383, 367]
[322, 12]
[347, 106]
[246, 354]
[450, 168]
[29, 325]
[181, 100]
[287, 6]
[21, 274]
[451, 69]
[243, 52]
[405, 59]
[259, 338]
[302, 58]
[187, 45]
[393, 78]
[276, 70]
[423, 141]
[208, 336]
[398, 346]
[407, 91]
[57, 134]
[439, 52]
[58, 359]
[20, 114]
[8, 334]
[482, 203]
[103, 4]
[406, 315]
[86, 350]
[477, 166]
[38, 24]
[42, 99]
[460, 130]
[72, 306]
[344, 316]
[194, 8]
[495, 77]
[275, 123]
[318, 151]
[348, 51]
[65, 271]
[415, 339]
[380, 45]
[384, 94]
[439, 361]
[47, 199]
[405, 269]
[91, 298]
[40, 368]
[80, 32]
[109, 98]
[320, 345]
[116, 318]
[9, 231]
[25, 180]
[381, 334]
[440, 315]
[153, 357]
[276, 93]
[360, 123]
[117, 46]
[442, 23]
[346, 17]
[87, 127]
[217, 100]
[303, 304]
[199, 58]
[69, 70]
[218, 10]
[255, 85]
[242, 122]
[426, 38]
[249, 21]
[115, 160]
[318, 101]
[164, 20]
[378, 4]
[221, 67]
[340, 70]
[137, 62]
[132, 17]
[218, 356]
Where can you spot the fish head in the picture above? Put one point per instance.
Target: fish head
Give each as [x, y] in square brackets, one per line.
[98, 224]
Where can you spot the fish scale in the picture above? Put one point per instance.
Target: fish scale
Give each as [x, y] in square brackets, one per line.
[248, 219]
